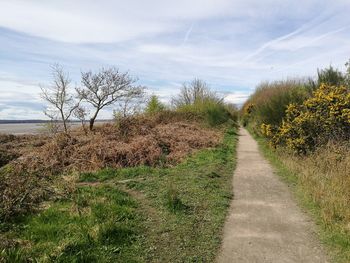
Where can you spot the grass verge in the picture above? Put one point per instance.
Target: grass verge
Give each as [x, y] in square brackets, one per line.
[300, 175]
[139, 214]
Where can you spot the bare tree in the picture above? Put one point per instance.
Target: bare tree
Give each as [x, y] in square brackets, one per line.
[61, 103]
[105, 88]
[195, 91]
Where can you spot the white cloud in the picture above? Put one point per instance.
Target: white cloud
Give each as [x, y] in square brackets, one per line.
[102, 21]
[237, 98]
[232, 45]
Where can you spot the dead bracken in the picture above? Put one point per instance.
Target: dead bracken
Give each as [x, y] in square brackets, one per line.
[163, 139]
[115, 147]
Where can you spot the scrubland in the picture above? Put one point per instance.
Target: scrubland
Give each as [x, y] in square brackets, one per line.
[153, 186]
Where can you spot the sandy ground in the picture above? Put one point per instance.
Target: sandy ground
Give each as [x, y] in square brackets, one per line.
[264, 223]
[22, 128]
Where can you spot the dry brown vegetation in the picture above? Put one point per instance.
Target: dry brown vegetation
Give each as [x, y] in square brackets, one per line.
[11, 147]
[324, 176]
[163, 139]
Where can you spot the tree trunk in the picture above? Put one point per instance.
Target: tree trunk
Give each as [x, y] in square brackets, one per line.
[64, 122]
[93, 118]
[92, 121]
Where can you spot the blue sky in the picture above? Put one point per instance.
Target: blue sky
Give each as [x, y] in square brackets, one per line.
[231, 44]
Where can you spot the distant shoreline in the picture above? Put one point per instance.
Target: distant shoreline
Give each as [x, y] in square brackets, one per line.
[38, 121]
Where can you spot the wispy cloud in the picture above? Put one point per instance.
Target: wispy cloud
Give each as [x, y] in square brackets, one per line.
[232, 45]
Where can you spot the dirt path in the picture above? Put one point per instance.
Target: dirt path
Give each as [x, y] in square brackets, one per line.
[264, 223]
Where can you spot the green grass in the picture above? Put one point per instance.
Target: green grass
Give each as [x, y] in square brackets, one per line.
[333, 237]
[139, 214]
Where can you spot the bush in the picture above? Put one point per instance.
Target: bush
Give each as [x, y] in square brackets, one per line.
[322, 118]
[213, 113]
[197, 98]
[330, 76]
[154, 105]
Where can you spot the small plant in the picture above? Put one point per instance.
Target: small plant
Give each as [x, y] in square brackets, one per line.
[173, 201]
[14, 254]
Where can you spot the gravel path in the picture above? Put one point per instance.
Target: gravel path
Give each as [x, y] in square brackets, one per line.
[264, 223]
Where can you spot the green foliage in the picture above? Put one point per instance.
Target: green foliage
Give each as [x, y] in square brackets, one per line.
[97, 225]
[270, 100]
[154, 105]
[330, 76]
[198, 99]
[214, 113]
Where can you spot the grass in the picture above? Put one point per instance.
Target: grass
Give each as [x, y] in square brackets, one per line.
[139, 214]
[321, 186]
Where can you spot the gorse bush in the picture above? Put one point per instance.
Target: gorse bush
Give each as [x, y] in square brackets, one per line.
[323, 117]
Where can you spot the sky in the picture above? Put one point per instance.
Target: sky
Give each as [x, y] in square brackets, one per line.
[231, 44]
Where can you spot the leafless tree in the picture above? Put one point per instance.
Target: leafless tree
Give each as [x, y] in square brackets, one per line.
[195, 91]
[105, 88]
[61, 103]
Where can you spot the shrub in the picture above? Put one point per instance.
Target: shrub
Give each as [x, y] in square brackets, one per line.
[214, 113]
[154, 105]
[330, 76]
[323, 117]
[198, 99]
